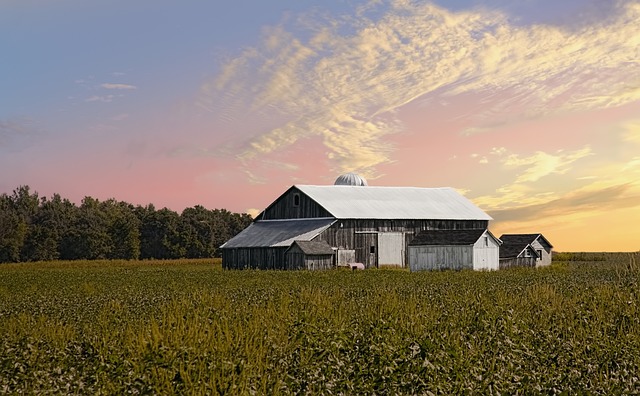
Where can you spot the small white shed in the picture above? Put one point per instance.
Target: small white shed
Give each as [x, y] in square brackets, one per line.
[454, 249]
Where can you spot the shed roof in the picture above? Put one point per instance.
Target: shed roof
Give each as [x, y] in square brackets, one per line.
[278, 233]
[514, 244]
[373, 202]
[314, 248]
[449, 237]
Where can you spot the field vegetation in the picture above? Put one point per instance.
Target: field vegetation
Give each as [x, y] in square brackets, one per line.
[188, 327]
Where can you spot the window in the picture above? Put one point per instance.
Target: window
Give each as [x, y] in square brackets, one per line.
[296, 200]
[539, 254]
[486, 241]
[372, 249]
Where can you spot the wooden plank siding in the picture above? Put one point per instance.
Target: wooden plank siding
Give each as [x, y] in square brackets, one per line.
[362, 235]
[348, 234]
[430, 258]
[544, 250]
[517, 262]
[254, 258]
[296, 259]
[300, 261]
[285, 207]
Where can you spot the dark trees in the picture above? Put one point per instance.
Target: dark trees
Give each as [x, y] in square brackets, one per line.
[38, 229]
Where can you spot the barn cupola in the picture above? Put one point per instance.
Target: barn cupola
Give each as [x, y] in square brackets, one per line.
[350, 179]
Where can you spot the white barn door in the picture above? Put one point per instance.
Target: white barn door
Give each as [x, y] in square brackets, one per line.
[391, 249]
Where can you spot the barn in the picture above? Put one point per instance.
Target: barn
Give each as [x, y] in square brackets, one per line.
[372, 225]
[455, 250]
[529, 250]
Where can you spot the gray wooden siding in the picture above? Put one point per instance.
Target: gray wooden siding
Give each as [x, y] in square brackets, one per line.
[360, 236]
[517, 262]
[482, 255]
[254, 258]
[300, 261]
[486, 254]
[296, 259]
[546, 253]
[284, 208]
[429, 258]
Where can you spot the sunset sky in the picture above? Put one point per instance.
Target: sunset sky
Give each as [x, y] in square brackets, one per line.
[529, 108]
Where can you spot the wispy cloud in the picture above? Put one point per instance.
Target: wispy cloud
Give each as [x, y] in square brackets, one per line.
[587, 201]
[345, 82]
[632, 131]
[17, 134]
[542, 164]
[102, 98]
[118, 86]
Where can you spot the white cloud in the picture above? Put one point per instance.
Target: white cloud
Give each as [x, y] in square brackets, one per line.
[101, 98]
[542, 164]
[632, 131]
[633, 165]
[345, 87]
[118, 86]
[499, 151]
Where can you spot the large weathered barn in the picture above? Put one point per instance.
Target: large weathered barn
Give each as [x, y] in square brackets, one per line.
[360, 223]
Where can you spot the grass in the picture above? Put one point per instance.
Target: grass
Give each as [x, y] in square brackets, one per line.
[175, 327]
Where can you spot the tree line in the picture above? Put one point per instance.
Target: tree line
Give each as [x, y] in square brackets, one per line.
[34, 228]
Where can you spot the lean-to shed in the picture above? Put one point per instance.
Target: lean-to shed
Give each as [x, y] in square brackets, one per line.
[309, 255]
[525, 248]
[454, 249]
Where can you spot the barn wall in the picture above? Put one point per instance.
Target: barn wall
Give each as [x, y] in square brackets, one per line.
[254, 258]
[285, 208]
[546, 253]
[486, 254]
[362, 235]
[517, 262]
[428, 258]
[323, 262]
[296, 259]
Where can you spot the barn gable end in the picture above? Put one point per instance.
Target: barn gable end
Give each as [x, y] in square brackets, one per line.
[294, 204]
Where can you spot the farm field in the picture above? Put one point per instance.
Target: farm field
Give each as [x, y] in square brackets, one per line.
[188, 327]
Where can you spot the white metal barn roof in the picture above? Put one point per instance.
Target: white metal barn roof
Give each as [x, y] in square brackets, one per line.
[372, 202]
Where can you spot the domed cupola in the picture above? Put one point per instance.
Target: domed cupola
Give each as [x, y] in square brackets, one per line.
[350, 179]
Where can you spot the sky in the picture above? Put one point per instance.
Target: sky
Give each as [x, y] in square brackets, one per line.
[531, 109]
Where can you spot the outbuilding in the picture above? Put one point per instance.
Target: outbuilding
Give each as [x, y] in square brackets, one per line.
[530, 250]
[309, 255]
[455, 250]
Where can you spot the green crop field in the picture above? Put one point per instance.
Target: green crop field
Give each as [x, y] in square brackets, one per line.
[188, 327]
